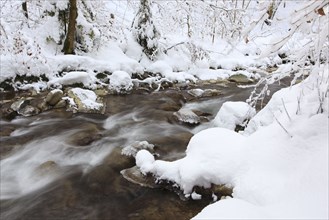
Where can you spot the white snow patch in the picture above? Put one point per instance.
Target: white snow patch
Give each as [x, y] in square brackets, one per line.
[144, 160]
[232, 114]
[71, 78]
[120, 81]
[87, 98]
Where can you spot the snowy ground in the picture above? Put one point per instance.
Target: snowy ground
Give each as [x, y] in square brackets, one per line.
[278, 166]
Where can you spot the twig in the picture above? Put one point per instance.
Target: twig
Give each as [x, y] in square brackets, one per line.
[165, 51]
[282, 125]
[285, 109]
[321, 100]
[298, 101]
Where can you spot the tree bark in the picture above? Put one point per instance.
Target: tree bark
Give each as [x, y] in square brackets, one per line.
[24, 6]
[70, 36]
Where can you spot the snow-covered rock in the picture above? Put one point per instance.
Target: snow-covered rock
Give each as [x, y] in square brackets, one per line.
[132, 149]
[84, 100]
[120, 82]
[232, 114]
[187, 116]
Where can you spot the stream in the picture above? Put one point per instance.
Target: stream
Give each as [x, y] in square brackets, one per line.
[60, 165]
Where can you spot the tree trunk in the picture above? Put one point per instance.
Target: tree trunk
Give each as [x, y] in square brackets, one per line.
[70, 36]
[24, 6]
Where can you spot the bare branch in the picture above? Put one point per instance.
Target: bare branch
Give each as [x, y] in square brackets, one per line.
[285, 109]
[282, 125]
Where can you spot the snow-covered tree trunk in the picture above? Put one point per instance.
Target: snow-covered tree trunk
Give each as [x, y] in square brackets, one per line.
[144, 30]
[70, 36]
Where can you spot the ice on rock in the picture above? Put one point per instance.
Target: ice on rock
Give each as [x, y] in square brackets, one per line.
[132, 149]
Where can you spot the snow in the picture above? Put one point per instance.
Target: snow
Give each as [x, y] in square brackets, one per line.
[232, 114]
[132, 149]
[278, 169]
[278, 166]
[120, 81]
[144, 160]
[71, 78]
[87, 98]
[196, 196]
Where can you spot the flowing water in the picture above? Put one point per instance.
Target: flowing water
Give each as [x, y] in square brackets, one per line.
[60, 165]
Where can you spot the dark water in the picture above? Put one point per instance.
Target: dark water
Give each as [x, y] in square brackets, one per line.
[59, 165]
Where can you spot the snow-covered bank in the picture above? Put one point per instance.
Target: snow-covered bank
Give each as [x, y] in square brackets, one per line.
[278, 168]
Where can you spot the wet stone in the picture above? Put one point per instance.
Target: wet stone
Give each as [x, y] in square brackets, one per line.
[170, 106]
[211, 92]
[28, 111]
[47, 168]
[187, 116]
[54, 97]
[117, 160]
[6, 130]
[239, 78]
[8, 113]
[196, 92]
[18, 104]
[134, 175]
[86, 136]
[61, 104]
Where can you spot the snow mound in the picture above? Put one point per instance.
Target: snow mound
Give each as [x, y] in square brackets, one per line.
[70, 78]
[232, 114]
[120, 82]
[144, 160]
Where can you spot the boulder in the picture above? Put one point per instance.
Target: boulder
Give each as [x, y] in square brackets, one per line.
[23, 107]
[239, 78]
[47, 168]
[61, 104]
[54, 97]
[211, 92]
[196, 92]
[85, 100]
[18, 104]
[28, 111]
[85, 136]
[187, 116]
